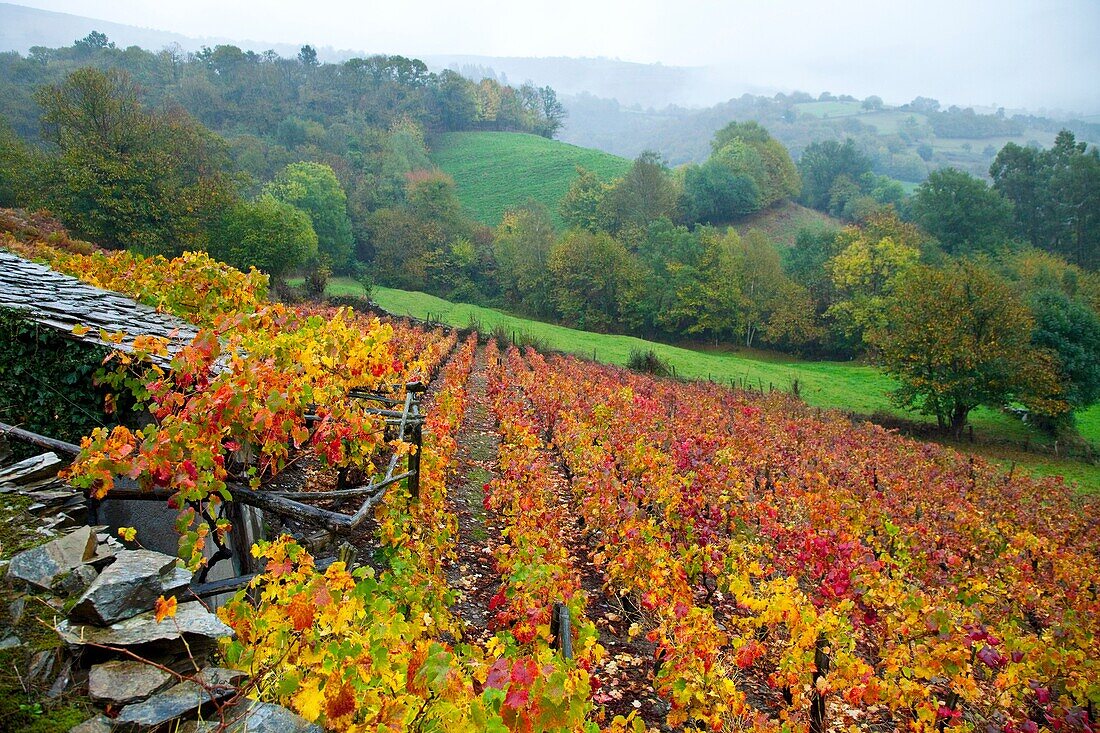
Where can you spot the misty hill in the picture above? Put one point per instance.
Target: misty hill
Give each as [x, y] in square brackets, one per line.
[648, 85]
[905, 142]
[22, 28]
[494, 171]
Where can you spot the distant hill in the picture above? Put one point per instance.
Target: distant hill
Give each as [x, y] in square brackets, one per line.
[22, 28]
[497, 170]
[903, 143]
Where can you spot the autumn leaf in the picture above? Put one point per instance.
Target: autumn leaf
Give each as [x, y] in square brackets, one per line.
[164, 608]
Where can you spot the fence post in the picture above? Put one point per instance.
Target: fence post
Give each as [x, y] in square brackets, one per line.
[414, 460]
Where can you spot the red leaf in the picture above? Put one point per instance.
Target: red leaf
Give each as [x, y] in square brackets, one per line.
[516, 698]
[498, 674]
[524, 672]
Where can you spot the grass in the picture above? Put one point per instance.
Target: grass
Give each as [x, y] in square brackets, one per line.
[830, 109]
[494, 171]
[888, 122]
[783, 223]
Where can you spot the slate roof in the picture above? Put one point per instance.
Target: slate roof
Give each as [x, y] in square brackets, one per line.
[62, 302]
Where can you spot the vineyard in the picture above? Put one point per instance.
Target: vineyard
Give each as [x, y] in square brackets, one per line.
[757, 565]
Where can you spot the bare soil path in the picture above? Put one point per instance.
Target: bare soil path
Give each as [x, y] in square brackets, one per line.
[473, 573]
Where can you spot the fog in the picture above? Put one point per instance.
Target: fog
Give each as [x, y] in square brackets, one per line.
[1013, 53]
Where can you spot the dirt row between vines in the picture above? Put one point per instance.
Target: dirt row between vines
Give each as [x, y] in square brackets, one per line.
[625, 675]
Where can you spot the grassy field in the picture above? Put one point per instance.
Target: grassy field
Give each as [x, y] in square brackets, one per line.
[830, 109]
[496, 170]
[887, 122]
[782, 223]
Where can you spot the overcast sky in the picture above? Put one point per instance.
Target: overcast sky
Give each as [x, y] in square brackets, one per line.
[1037, 53]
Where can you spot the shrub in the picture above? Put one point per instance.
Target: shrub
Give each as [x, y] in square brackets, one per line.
[647, 362]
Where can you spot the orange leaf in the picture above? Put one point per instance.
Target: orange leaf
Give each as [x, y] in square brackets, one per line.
[165, 608]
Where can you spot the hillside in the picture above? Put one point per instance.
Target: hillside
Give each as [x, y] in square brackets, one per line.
[496, 170]
[904, 144]
[783, 222]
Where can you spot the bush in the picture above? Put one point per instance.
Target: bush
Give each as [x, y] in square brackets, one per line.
[648, 362]
[318, 271]
[362, 275]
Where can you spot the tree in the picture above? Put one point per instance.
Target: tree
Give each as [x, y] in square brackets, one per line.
[94, 41]
[822, 163]
[122, 176]
[15, 164]
[761, 282]
[668, 257]
[1019, 174]
[314, 188]
[591, 274]
[268, 234]
[1070, 330]
[714, 193]
[646, 193]
[582, 204]
[1075, 200]
[872, 103]
[307, 56]
[522, 243]
[864, 271]
[962, 212]
[747, 149]
[1056, 196]
[958, 338]
[401, 243]
[709, 302]
[552, 113]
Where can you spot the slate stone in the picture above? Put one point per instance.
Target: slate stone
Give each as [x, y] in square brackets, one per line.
[129, 586]
[122, 682]
[41, 667]
[253, 716]
[10, 642]
[76, 581]
[183, 700]
[41, 566]
[191, 619]
[98, 724]
[31, 470]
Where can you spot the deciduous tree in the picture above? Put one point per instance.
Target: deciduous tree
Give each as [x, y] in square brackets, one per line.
[314, 188]
[268, 234]
[960, 337]
[962, 212]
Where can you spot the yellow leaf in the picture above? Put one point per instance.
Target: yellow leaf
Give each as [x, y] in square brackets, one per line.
[308, 701]
[80, 330]
[127, 533]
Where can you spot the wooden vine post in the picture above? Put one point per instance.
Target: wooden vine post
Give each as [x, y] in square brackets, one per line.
[561, 630]
[817, 700]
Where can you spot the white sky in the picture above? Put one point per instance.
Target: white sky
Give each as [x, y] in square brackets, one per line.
[1012, 52]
